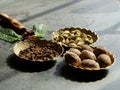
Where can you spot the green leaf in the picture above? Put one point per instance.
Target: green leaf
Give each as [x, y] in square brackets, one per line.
[40, 30]
[9, 35]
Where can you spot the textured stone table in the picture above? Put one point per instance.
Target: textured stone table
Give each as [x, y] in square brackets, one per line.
[101, 16]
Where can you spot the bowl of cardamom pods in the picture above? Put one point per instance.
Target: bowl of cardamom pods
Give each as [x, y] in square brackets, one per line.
[74, 37]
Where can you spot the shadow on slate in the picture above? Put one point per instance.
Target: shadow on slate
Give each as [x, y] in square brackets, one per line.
[74, 74]
[28, 66]
[50, 10]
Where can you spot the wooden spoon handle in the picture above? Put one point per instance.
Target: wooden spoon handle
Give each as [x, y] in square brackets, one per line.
[8, 22]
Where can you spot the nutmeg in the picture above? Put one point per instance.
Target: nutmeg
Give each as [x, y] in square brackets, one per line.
[100, 50]
[104, 60]
[86, 54]
[74, 50]
[86, 47]
[72, 58]
[89, 64]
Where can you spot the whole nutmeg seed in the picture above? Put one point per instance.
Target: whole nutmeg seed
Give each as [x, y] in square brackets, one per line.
[86, 47]
[86, 54]
[72, 58]
[104, 60]
[100, 50]
[89, 64]
[74, 50]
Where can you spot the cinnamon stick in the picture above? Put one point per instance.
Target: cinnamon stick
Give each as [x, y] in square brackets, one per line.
[8, 22]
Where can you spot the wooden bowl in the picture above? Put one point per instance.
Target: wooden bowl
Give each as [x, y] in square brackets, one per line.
[40, 44]
[74, 37]
[70, 58]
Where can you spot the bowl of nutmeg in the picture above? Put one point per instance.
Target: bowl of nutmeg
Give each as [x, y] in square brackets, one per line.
[87, 57]
[37, 50]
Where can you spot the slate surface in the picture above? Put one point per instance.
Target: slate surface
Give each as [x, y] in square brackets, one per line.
[101, 16]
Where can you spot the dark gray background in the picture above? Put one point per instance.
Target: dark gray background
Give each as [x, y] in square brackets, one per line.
[101, 16]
